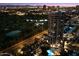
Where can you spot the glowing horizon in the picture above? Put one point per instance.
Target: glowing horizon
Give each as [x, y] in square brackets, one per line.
[37, 4]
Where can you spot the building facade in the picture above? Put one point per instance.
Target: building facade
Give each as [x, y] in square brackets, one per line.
[55, 26]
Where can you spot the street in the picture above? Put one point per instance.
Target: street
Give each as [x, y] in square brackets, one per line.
[20, 45]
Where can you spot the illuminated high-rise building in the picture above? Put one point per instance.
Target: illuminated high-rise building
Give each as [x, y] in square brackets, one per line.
[56, 26]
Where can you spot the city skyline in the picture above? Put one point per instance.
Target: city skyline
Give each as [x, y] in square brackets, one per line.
[41, 4]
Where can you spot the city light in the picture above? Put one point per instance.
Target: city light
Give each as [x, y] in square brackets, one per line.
[20, 51]
[39, 30]
[27, 20]
[37, 24]
[53, 45]
[45, 20]
[41, 20]
[50, 53]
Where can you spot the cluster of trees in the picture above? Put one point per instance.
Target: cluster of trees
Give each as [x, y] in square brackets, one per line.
[10, 23]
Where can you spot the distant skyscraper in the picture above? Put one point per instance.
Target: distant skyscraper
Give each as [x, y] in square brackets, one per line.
[44, 7]
[77, 7]
[58, 8]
